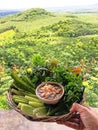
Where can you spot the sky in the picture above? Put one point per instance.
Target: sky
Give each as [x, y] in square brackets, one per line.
[25, 4]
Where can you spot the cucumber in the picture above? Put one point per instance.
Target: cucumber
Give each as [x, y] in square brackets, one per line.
[27, 109]
[17, 92]
[19, 99]
[36, 104]
[17, 96]
[32, 99]
[29, 94]
[41, 111]
[19, 83]
[19, 105]
[23, 93]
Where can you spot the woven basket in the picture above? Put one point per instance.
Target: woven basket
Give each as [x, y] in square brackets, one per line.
[62, 118]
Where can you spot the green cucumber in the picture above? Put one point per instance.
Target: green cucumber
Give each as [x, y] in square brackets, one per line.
[17, 92]
[23, 93]
[32, 99]
[41, 111]
[19, 99]
[36, 104]
[27, 109]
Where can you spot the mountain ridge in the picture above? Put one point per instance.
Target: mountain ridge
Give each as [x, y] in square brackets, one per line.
[64, 9]
[26, 14]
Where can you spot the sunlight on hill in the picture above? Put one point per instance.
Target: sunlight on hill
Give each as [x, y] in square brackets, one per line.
[6, 36]
[89, 17]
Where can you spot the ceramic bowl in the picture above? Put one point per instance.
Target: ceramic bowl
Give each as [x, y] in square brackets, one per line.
[50, 92]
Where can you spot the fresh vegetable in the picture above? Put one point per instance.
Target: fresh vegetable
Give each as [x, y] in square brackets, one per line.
[19, 83]
[27, 80]
[32, 99]
[18, 99]
[27, 109]
[36, 104]
[22, 93]
[24, 86]
[41, 111]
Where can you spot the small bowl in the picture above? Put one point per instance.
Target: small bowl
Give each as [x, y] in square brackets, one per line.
[50, 92]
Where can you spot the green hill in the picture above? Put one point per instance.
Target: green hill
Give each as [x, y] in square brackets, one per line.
[32, 14]
[31, 18]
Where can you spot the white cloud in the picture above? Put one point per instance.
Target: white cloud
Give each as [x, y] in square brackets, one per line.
[13, 4]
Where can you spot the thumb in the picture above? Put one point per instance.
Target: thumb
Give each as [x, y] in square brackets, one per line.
[77, 108]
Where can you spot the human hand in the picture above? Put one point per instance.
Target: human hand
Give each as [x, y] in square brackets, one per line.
[85, 119]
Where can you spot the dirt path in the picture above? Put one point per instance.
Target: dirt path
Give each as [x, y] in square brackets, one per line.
[12, 120]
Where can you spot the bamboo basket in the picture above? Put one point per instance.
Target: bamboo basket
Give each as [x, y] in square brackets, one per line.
[62, 118]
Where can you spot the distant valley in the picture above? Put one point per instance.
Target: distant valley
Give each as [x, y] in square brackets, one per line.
[8, 12]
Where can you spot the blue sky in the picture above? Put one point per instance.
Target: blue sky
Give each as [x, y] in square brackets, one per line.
[25, 4]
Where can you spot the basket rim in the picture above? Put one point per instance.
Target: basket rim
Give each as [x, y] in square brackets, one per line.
[64, 117]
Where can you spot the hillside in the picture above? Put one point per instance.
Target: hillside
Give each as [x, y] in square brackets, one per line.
[31, 19]
[30, 36]
[36, 17]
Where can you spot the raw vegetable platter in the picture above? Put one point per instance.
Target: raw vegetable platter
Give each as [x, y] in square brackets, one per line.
[22, 97]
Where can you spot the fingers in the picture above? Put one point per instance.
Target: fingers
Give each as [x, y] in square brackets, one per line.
[76, 120]
[78, 108]
[70, 124]
[75, 123]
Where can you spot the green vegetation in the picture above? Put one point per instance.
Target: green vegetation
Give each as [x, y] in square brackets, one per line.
[3, 103]
[71, 39]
